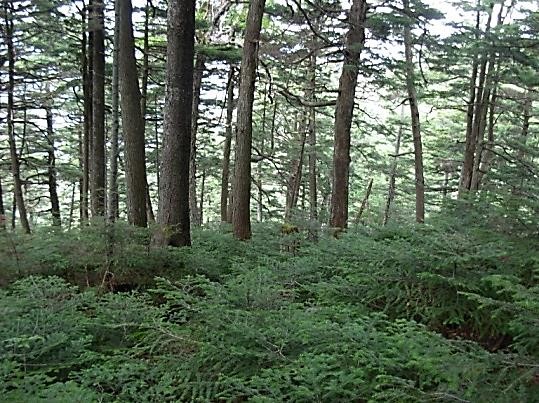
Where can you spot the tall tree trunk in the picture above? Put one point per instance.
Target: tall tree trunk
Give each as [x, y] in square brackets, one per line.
[112, 200]
[144, 96]
[294, 179]
[202, 190]
[487, 149]
[393, 172]
[97, 174]
[227, 145]
[344, 111]
[173, 214]
[71, 206]
[200, 65]
[132, 121]
[475, 103]
[2, 209]
[51, 170]
[15, 165]
[416, 129]
[241, 211]
[86, 70]
[313, 191]
[365, 201]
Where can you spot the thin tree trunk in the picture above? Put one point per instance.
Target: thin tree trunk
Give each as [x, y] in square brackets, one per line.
[364, 201]
[241, 212]
[51, 170]
[97, 174]
[313, 191]
[294, 179]
[86, 70]
[344, 111]
[393, 172]
[202, 190]
[173, 214]
[200, 65]
[72, 206]
[144, 96]
[15, 165]
[112, 200]
[416, 129]
[132, 121]
[227, 145]
[488, 154]
[474, 121]
[2, 209]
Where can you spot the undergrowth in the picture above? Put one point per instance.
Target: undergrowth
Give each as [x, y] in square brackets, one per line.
[427, 313]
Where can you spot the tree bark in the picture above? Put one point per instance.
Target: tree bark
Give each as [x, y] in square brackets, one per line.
[132, 121]
[173, 215]
[2, 208]
[416, 128]
[227, 145]
[241, 211]
[200, 65]
[294, 179]
[144, 96]
[15, 164]
[86, 70]
[393, 173]
[51, 170]
[475, 103]
[112, 200]
[313, 191]
[344, 111]
[364, 201]
[97, 174]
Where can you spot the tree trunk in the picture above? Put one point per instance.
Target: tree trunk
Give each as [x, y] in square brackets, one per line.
[86, 70]
[97, 174]
[416, 129]
[488, 154]
[15, 165]
[72, 206]
[144, 96]
[173, 215]
[202, 190]
[112, 200]
[393, 173]
[344, 111]
[200, 65]
[51, 171]
[474, 107]
[294, 179]
[132, 121]
[2, 209]
[313, 192]
[364, 201]
[227, 145]
[241, 212]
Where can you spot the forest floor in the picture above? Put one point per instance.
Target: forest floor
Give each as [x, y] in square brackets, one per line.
[398, 314]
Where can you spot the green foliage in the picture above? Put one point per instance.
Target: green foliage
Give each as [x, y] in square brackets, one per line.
[395, 314]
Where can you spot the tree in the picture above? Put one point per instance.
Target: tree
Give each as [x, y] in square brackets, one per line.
[51, 170]
[227, 145]
[241, 210]
[344, 110]
[132, 120]
[173, 215]
[414, 112]
[15, 164]
[97, 174]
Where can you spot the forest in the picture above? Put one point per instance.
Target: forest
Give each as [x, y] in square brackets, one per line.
[269, 201]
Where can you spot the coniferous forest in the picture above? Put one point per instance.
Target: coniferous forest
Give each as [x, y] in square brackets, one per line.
[269, 201]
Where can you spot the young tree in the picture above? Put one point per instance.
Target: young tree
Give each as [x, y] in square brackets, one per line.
[241, 210]
[97, 174]
[227, 144]
[173, 214]
[344, 110]
[414, 112]
[132, 120]
[15, 163]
